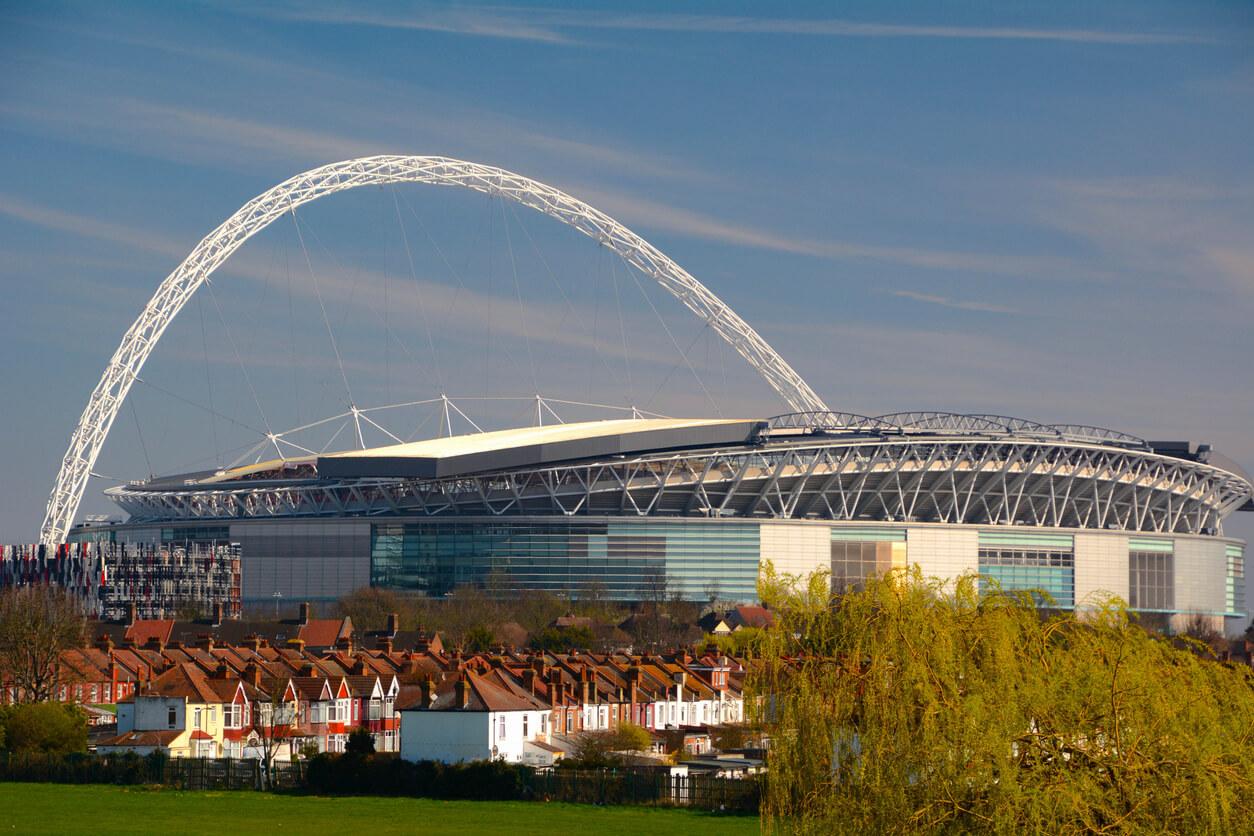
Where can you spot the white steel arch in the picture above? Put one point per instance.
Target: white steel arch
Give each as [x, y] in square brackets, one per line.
[140, 339]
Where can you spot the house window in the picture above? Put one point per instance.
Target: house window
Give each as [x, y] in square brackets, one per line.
[570, 722]
[108, 693]
[543, 718]
[171, 717]
[500, 734]
[524, 727]
[196, 718]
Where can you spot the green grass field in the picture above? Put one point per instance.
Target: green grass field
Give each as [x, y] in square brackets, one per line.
[101, 810]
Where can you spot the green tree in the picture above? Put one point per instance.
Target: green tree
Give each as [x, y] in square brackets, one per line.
[557, 639]
[478, 639]
[628, 737]
[914, 706]
[49, 727]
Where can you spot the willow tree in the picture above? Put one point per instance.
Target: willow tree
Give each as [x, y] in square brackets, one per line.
[911, 705]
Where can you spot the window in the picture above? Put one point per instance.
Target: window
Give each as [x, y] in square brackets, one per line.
[542, 723]
[171, 717]
[233, 716]
[1043, 565]
[1151, 582]
[524, 727]
[570, 722]
[197, 720]
[854, 561]
[500, 734]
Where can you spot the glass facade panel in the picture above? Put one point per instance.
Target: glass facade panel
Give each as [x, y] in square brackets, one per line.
[633, 560]
[1151, 580]
[1235, 579]
[854, 561]
[1041, 564]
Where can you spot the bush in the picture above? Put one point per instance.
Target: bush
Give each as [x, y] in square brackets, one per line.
[360, 743]
[386, 775]
[47, 727]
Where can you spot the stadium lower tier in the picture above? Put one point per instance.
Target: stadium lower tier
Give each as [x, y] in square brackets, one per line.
[1176, 575]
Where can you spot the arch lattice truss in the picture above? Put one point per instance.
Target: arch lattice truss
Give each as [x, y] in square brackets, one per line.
[139, 341]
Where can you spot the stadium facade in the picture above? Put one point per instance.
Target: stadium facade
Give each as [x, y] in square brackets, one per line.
[646, 507]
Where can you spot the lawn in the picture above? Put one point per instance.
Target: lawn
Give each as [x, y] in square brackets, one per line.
[101, 810]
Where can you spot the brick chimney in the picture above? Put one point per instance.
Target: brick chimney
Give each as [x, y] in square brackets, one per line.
[205, 641]
[384, 643]
[393, 625]
[530, 678]
[428, 692]
[462, 691]
[132, 614]
[304, 612]
[222, 671]
[252, 642]
[252, 673]
[585, 685]
[103, 642]
[155, 643]
[358, 668]
[555, 687]
[344, 643]
[309, 669]
[296, 644]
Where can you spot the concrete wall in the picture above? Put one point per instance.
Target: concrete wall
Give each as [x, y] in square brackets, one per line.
[1201, 576]
[942, 552]
[1101, 566]
[796, 548]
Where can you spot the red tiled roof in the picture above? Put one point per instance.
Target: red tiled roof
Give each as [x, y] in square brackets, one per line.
[149, 628]
[322, 632]
[751, 616]
[143, 738]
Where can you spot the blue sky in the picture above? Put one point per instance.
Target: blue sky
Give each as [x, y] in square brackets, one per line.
[1035, 210]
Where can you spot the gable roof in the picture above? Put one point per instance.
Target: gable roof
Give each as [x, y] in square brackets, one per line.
[145, 629]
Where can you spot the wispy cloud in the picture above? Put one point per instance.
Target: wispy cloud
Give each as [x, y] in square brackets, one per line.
[484, 23]
[86, 226]
[660, 216]
[1188, 234]
[549, 25]
[959, 304]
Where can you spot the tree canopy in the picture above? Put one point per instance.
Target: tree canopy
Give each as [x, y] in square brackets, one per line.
[51, 728]
[911, 705]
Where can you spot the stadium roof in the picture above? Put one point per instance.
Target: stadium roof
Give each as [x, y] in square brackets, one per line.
[528, 446]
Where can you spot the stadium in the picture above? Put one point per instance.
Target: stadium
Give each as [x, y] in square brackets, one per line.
[649, 506]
